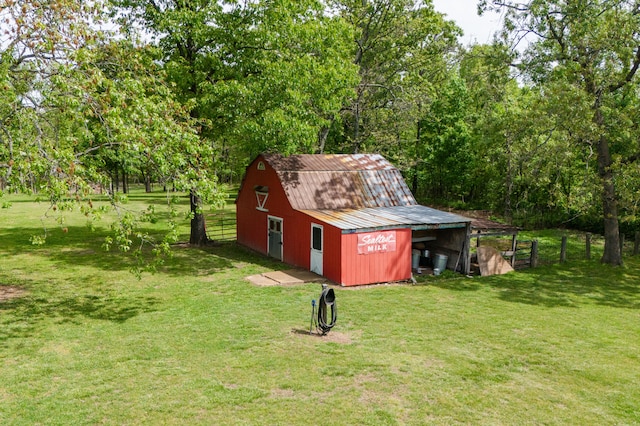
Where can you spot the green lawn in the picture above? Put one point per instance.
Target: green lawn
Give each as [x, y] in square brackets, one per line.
[88, 343]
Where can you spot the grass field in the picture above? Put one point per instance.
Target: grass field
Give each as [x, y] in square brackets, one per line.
[84, 341]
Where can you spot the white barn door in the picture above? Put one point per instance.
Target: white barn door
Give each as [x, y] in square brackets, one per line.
[317, 243]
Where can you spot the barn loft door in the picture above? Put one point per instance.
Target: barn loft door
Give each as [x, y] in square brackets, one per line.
[275, 237]
[317, 242]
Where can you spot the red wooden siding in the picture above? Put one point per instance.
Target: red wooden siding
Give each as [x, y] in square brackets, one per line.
[377, 267]
[298, 245]
[251, 222]
[332, 267]
[297, 240]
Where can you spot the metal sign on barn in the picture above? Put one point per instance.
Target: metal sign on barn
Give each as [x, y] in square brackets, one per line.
[377, 242]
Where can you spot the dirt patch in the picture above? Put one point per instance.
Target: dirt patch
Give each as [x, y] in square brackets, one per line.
[282, 393]
[10, 292]
[331, 337]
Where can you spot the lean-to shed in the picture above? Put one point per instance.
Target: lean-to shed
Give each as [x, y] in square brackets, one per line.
[349, 218]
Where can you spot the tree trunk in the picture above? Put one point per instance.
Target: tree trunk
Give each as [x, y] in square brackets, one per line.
[611, 253]
[147, 183]
[416, 166]
[198, 226]
[125, 182]
[322, 139]
[116, 182]
[356, 127]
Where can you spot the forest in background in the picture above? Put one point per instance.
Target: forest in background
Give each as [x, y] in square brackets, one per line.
[541, 126]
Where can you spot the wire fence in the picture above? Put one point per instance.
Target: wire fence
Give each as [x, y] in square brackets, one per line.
[525, 249]
[547, 248]
[575, 247]
[221, 225]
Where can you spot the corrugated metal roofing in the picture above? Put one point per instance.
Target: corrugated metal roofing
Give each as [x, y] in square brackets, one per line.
[340, 181]
[328, 162]
[355, 192]
[416, 216]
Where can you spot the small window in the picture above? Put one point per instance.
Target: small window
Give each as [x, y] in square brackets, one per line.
[262, 193]
[317, 238]
[261, 165]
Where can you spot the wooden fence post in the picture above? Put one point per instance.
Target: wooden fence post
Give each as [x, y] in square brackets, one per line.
[563, 250]
[636, 243]
[534, 254]
[514, 248]
[588, 248]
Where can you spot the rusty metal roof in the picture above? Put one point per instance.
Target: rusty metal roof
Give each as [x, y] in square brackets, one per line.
[481, 222]
[328, 162]
[415, 216]
[340, 181]
[356, 192]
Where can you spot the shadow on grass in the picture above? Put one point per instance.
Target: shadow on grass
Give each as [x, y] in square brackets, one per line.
[21, 316]
[457, 283]
[568, 285]
[216, 258]
[79, 246]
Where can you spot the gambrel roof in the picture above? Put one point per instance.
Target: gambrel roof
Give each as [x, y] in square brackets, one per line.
[340, 181]
[355, 192]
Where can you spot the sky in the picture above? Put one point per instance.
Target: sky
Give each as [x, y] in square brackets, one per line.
[464, 12]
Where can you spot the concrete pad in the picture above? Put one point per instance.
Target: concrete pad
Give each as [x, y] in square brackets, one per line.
[290, 277]
[304, 275]
[282, 277]
[261, 280]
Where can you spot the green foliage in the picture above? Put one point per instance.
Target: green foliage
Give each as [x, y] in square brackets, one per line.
[184, 94]
[263, 76]
[401, 49]
[98, 105]
[446, 144]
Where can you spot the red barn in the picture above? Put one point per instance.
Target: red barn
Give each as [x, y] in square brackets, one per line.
[349, 218]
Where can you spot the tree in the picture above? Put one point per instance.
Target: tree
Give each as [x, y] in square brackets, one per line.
[400, 48]
[33, 54]
[485, 71]
[257, 75]
[446, 143]
[185, 33]
[589, 53]
[524, 163]
[74, 97]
